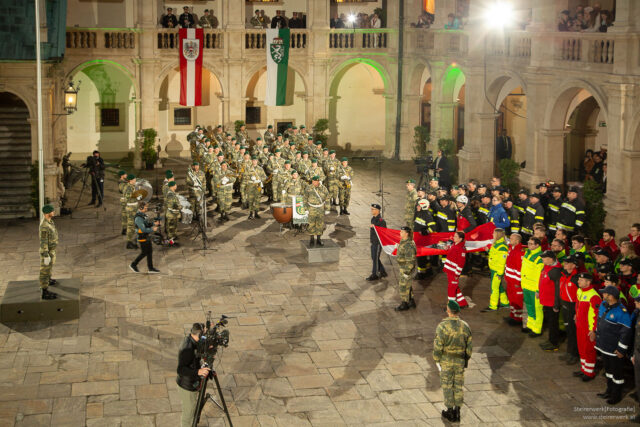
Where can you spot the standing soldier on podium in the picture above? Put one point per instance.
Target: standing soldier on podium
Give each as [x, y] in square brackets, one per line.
[316, 201]
[48, 244]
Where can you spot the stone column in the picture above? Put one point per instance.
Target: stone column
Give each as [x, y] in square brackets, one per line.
[437, 80]
[318, 47]
[146, 70]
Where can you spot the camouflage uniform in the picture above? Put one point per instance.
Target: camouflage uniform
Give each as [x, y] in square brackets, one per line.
[244, 179]
[131, 208]
[225, 190]
[269, 138]
[407, 262]
[122, 184]
[207, 164]
[215, 171]
[255, 181]
[451, 349]
[331, 172]
[295, 187]
[243, 137]
[196, 190]
[303, 167]
[345, 185]
[48, 244]
[316, 171]
[410, 208]
[173, 214]
[283, 182]
[316, 201]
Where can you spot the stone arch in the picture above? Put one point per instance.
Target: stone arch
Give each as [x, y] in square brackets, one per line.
[416, 77]
[126, 71]
[260, 68]
[557, 110]
[382, 71]
[453, 80]
[502, 85]
[171, 67]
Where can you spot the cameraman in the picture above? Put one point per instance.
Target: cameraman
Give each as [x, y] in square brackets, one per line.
[143, 227]
[95, 164]
[189, 374]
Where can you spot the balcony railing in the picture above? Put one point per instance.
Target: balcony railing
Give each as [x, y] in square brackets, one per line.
[359, 39]
[513, 45]
[100, 39]
[592, 48]
[256, 39]
[170, 39]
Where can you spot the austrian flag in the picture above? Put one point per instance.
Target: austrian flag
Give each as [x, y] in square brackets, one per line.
[191, 42]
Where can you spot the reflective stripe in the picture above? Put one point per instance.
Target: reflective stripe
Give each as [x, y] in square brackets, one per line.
[421, 221]
[622, 345]
[569, 206]
[617, 381]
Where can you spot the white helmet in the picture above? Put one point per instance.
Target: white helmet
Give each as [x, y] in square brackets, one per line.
[462, 199]
[423, 203]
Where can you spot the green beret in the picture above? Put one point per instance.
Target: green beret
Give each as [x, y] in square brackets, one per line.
[172, 184]
[201, 127]
[453, 306]
[292, 143]
[298, 152]
[271, 154]
[314, 160]
[233, 138]
[277, 150]
[130, 177]
[344, 159]
[220, 154]
[289, 126]
[265, 147]
[434, 178]
[279, 134]
[258, 139]
[169, 175]
[305, 152]
[254, 157]
[302, 127]
[167, 172]
[207, 140]
[47, 209]
[411, 181]
[270, 127]
[224, 162]
[228, 134]
[295, 127]
[325, 149]
[318, 142]
[310, 138]
[332, 151]
[219, 127]
[195, 164]
[315, 178]
[287, 162]
[122, 173]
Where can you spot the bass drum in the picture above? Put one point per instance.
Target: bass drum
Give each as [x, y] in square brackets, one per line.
[187, 216]
[282, 212]
[143, 184]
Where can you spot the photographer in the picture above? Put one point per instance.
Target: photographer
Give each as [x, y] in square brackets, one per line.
[95, 164]
[143, 228]
[189, 373]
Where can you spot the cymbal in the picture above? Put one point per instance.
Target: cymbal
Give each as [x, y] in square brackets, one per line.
[140, 194]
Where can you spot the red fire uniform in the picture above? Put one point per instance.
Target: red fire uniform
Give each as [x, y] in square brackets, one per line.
[569, 297]
[586, 321]
[453, 265]
[512, 277]
[611, 247]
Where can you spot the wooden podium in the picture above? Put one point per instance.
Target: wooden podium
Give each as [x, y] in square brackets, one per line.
[22, 302]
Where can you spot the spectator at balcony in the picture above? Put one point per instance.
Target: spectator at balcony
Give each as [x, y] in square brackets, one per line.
[169, 20]
[580, 23]
[295, 22]
[592, 14]
[579, 10]
[279, 21]
[564, 24]
[462, 15]
[255, 20]
[208, 20]
[338, 21]
[605, 21]
[186, 19]
[375, 21]
[452, 22]
[264, 19]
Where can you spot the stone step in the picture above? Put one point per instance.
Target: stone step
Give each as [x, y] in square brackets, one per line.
[14, 190]
[14, 169]
[15, 155]
[18, 185]
[21, 110]
[15, 161]
[15, 144]
[4, 133]
[14, 124]
[19, 199]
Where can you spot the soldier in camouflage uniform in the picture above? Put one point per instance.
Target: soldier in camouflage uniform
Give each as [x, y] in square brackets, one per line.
[451, 351]
[131, 208]
[331, 172]
[48, 243]
[288, 132]
[257, 149]
[208, 159]
[266, 166]
[324, 158]
[300, 140]
[407, 263]
[242, 135]
[244, 178]
[122, 183]
[263, 157]
[172, 213]
[165, 189]
[410, 204]
[255, 178]
[269, 137]
[295, 186]
[276, 166]
[283, 181]
[315, 170]
[196, 185]
[304, 164]
[345, 173]
[225, 190]
[316, 200]
[219, 136]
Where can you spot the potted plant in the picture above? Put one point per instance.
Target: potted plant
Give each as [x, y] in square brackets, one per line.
[319, 130]
[149, 153]
[238, 124]
[421, 140]
[509, 172]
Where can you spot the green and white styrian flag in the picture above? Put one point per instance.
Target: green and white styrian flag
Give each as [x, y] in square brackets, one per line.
[277, 64]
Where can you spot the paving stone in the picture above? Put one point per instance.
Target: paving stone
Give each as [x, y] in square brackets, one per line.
[363, 411]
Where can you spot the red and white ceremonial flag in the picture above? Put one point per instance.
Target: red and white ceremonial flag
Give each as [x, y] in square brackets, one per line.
[477, 240]
[191, 43]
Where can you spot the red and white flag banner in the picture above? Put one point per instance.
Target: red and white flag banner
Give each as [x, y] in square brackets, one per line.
[477, 240]
[191, 43]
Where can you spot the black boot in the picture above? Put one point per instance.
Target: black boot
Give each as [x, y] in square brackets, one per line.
[340, 211]
[319, 242]
[250, 215]
[345, 211]
[607, 392]
[124, 231]
[48, 295]
[256, 216]
[99, 204]
[404, 306]
[131, 245]
[226, 217]
[372, 278]
[53, 282]
[456, 414]
[312, 241]
[448, 414]
[412, 303]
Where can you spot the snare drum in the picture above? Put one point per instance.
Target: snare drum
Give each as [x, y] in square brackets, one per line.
[187, 216]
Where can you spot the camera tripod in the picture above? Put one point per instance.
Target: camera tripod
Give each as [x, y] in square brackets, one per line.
[94, 181]
[199, 228]
[203, 397]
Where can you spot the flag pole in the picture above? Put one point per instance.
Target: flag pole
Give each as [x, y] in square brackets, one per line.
[39, 101]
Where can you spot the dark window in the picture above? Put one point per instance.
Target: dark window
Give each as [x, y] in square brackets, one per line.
[109, 117]
[282, 126]
[182, 116]
[253, 115]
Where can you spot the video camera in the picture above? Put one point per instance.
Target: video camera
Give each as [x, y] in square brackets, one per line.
[211, 339]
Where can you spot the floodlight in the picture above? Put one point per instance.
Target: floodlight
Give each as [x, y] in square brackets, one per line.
[352, 18]
[499, 14]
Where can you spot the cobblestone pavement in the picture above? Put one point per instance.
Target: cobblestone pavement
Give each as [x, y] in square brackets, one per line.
[310, 344]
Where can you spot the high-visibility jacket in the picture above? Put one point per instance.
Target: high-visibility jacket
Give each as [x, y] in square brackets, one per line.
[532, 214]
[498, 256]
[531, 268]
[569, 286]
[483, 214]
[587, 308]
[571, 215]
[552, 212]
[445, 219]
[514, 263]
[454, 263]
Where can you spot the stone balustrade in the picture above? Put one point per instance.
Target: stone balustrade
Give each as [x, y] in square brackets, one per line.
[100, 39]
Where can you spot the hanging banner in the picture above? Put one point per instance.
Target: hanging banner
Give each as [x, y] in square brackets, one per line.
[191, 43]
[299, 215]
[277, 44]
